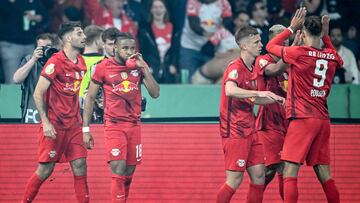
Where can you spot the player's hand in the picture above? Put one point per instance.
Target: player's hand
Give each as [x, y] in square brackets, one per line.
[298, 19]
[49, 130]
[298, 38]
[38, 53]
[271, 96]
[88, 140]
[139, 62]
[325, 20]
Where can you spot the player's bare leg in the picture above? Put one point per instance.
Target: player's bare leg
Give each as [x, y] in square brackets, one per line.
[43, 171]
[121, 179]
[328, 184]
[233, 181]
[79, 168]
[291, 171]
[256, 188]
[270, 172]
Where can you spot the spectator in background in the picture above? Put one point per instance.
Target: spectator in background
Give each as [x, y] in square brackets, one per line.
[159, 44]
[350, 65]
[135, 10]
[352, 41]
[20, 22]
[28, 74]
[259, 15]
[239, 19]
[313, 7]
[62, 11]
[92, 55]
[108, 37]
[204, 18]
[110, 13]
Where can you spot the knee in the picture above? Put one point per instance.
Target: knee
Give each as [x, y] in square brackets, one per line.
[79, 167]
[258, 177]
[118, 167]
[322, 172]
[234, 181]
[45, 170]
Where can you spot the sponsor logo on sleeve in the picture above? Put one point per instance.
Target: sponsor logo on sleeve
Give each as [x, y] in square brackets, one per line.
[263, 63]
[233, 74]
[49, 69]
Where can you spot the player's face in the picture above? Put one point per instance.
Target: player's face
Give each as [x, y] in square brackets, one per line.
[77, 38]
[125, 48]
[253, 45]
[109, 48]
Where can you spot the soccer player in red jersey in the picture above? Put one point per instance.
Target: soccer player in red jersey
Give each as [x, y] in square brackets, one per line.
[56, 98]
[310, 76]
[121, 83]
[271, 123]
[241, 145]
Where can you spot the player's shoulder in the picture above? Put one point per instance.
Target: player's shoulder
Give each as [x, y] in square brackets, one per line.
[264, 60]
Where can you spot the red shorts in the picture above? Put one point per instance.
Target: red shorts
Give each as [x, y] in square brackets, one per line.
[307, 139]
[243, 152]
[273, 143]
[67, 146]
[123, 142]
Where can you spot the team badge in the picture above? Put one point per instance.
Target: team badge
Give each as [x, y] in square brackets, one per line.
[241, 163]
[134, 73]
[50, 69]
[52, 154]
[233, 74]
[263, 62]
[115, 152]
[124, 75]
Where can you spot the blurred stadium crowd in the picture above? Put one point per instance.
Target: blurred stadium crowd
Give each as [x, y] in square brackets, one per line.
[183, 41]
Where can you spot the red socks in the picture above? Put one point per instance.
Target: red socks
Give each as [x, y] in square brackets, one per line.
[331, 192]
[118, 188]
[281, 186]
[81, 189]
[255, 193]
[32, 188]
[290, 190]
[224, 194]
[128, 180]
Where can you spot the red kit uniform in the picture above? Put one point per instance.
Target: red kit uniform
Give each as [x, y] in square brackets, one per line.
[310, 76]
[62, 108]
[271, 122]
[241, 145]
[122, 110]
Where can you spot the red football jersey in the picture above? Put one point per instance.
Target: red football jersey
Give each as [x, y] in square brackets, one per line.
[270, 116]
[310, 76]
[62, 97]
[237, 115]
[122, 91]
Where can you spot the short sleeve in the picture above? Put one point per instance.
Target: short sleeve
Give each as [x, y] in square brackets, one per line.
[232, 74]
[290, 54]
[98, 73]
[51, 69]
[226, 9]
[192, 8]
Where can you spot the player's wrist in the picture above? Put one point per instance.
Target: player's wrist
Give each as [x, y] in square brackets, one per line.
[85, 129]
[291, 29]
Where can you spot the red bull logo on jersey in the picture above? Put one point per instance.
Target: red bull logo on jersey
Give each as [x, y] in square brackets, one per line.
[73, 87]
[125, 86]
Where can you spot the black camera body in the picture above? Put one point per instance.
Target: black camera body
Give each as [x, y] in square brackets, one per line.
[48, 51]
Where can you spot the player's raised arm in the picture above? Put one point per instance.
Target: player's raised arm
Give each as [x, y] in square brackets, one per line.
[41, 87]
[150, 83]
[275, 46]
[325, 20]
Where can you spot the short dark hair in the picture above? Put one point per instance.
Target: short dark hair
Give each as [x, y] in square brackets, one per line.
[110, 34]
[46, 36]
[313, 25]
[68, 27]
[244, 31]
[252, 5]
[92, 33]
[124, 35]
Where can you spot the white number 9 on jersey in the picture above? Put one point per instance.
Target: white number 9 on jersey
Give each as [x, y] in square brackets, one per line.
[320, 69]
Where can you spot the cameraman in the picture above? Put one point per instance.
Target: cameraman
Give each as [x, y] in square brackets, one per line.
[28, 75]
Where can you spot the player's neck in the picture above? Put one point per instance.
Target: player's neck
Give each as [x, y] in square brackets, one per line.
[91, 49]
[71, 53]
[248, 59]
[314, 42]
[119, 60]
